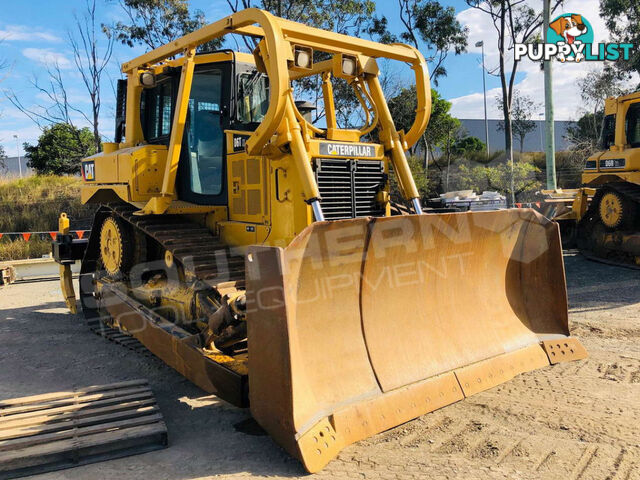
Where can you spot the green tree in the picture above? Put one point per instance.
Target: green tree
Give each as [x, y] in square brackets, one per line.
[598, 85]
[441, 124]
[403, 108]
[595, 87]
[441, 132]
[427, 185]
[349, 17]
[59, 149]
[3, 159]
[379, 30]
[466, 145]
[91, 55]
[622, 18]
[498, 178]
[434, 30]
[514, 21]
[522, 109]
[154, 23]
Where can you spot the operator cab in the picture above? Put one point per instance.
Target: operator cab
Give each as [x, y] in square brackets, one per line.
[226, 94]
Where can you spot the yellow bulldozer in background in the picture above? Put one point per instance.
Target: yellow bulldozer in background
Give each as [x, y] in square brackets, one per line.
[254, 252]
[604, 218]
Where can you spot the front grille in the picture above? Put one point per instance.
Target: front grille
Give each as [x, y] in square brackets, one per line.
[349, 188]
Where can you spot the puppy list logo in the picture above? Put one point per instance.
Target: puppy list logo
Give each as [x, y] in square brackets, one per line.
[570, 39]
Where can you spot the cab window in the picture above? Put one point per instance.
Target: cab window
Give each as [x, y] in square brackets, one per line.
[253, 97]
[157, 110]
[204, 135]
[632, 126]
[608, 134]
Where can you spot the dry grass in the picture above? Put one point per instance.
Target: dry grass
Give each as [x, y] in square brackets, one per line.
[38, 188]
[34, 204]
[34, 248]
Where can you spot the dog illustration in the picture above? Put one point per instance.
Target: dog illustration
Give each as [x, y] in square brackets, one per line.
[569, 28]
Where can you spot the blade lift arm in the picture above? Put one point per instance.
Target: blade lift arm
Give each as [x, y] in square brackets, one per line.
[393, 142]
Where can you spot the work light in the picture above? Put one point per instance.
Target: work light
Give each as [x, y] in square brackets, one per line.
[302, 57]
[148, 79]
[349, 65]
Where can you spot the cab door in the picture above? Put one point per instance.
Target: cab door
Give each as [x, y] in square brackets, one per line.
[202, 168]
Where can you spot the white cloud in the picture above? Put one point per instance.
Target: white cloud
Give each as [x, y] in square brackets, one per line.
[567, 100]
[10, 114]
[472, 106]
[47, 56]
[21, 33]
[74, 97]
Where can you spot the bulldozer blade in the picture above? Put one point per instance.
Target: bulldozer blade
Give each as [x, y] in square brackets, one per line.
[360, 325]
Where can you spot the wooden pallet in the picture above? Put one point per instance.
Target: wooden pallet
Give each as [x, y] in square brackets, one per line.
[59, 430]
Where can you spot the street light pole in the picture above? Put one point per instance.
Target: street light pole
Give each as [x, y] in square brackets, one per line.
[548, 107]
[541, 127]
[484, 89]
[18, 148]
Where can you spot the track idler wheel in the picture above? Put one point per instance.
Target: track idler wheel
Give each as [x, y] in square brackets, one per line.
[116, 247]
[615, 211]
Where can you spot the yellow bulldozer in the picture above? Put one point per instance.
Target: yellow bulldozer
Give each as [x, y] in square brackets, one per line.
[255, 253]
[603, 220]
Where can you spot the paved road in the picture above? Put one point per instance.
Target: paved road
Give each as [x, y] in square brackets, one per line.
[574, 421]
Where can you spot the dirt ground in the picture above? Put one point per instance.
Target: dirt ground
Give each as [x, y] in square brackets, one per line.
[572, 421]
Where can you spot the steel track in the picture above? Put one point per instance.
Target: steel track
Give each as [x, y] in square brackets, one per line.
[591, 218]
[200, 253]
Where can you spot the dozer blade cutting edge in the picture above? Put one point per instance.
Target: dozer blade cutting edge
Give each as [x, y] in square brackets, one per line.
[360, 325]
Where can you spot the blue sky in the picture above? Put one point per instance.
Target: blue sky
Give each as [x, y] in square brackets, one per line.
[34, 34]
